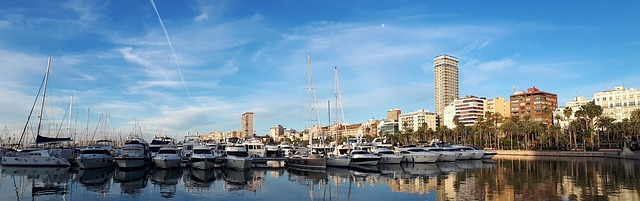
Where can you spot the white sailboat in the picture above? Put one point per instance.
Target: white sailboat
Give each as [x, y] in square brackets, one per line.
[309, 160]
[335, 158]
[38, 156]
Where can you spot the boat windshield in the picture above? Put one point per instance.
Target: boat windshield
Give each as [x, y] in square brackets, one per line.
[201, 151]
[237, 153]
[167, 151]
[386, 152]
[95, 151]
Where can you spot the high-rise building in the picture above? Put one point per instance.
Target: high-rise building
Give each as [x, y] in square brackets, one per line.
[619, 102]
[533, 103]
[247, 124]
[445, 72]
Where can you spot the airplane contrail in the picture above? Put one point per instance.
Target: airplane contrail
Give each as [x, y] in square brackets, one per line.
[171, 46]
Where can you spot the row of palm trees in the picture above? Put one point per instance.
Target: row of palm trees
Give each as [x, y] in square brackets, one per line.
[588, 129]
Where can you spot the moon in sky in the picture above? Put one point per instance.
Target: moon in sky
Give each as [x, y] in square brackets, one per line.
[382, 25]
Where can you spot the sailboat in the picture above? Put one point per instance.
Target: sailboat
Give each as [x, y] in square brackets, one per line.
[334, 158]
[37, 156]
[308, 160]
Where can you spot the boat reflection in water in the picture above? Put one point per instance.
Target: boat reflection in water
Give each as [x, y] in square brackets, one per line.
[237, 180]
[166, 180]
[131, 181]
[412, 170]
[44, 181]
[96, 180]
[198, 180]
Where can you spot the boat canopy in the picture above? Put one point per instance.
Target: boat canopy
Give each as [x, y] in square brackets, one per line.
[41, 139]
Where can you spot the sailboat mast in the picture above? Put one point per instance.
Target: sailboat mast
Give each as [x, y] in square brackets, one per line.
[44, 93]
[310, 74]
[70, 112]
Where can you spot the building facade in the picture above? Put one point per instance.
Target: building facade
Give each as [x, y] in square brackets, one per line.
[619, 102]
[448, 115]
[498, 106]
[247, 124]
[533, 103]
[415, 120]
[469, 109]
[445, 72]
[563, 121]
[392, 115]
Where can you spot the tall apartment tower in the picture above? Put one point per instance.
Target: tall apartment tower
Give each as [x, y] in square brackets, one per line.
[247, 124]
[445, 72]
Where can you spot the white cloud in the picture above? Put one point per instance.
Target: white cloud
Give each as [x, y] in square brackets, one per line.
[4, 24]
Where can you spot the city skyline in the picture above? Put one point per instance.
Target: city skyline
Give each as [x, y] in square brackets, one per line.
[246, 56]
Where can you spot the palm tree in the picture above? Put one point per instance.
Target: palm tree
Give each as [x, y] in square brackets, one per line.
[589, 112]
[605, 124]
[567, 111]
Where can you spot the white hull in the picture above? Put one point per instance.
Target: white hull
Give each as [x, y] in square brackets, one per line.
[94, 163]
[34, 161]
[447, 156]
[477, 155]
[338, 161]
[489, 155]
[239, 163]
[420, 158]
[130, 162]
[203, 164]
[390, 159]
[464, 155]
[167, 163]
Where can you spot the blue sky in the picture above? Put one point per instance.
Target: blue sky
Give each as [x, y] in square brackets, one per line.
[238, 56]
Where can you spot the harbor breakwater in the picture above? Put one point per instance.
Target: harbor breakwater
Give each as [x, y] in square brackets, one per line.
[622, 154]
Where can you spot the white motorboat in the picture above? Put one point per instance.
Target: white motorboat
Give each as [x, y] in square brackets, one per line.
[255, 148]
[202, 158]
[445, 156]
[387, 156]
[237, 157]
[362, 157]
[35, 158]
[418, 155]
[95, 156]
[135, 153]
[167, 158]
[338, 160]
[475, 154]
[159, 142]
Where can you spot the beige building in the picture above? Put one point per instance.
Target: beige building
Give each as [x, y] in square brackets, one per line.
[247, 124]
[619, 102]
[445, 72]
[574, 105]
[392, 115]
[499, 106]
[276, 132]
[415, 120]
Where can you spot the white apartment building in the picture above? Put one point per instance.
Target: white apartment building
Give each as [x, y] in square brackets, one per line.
[619, 102]
[445, 80]
[469, 109]
[247, 124]
[574, 105]
[415, 120]
[449, 114]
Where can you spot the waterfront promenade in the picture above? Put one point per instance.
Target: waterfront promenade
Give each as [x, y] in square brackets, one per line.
[626, 154]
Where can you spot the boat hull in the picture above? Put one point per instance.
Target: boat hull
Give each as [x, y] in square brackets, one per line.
[238, 163]
[130, 162]
[34, 161]
[390, 159]
[166, 162]
[307, 162]
[338, 161]
[203, 163]
[94, 163]
[364, 161]
[420, 158]
[448, 157]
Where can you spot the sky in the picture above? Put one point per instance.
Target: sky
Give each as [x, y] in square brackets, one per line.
[172, 67]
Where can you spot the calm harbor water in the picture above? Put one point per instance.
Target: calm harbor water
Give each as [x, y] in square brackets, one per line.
[504, 178]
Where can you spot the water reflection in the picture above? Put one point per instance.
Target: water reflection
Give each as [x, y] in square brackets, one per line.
[505, 178]
[96, 180]
[131, 181]
[38, 181]
[166, 180]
